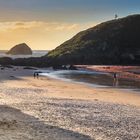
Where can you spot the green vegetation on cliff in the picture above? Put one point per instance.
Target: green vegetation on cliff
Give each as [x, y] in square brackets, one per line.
[112, 42]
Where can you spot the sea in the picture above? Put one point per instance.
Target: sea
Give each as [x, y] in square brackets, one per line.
[92, 78]
[36, 53]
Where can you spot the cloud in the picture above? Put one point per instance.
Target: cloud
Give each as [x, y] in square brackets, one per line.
[6, 26]
[47, 26]
[38, 34]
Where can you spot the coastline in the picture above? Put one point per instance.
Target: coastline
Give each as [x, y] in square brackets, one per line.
[126, 72]
[55, 109]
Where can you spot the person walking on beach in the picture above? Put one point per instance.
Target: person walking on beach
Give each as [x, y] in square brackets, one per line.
[115, 82]
[115, 76]
[37, 75]
[34, 75]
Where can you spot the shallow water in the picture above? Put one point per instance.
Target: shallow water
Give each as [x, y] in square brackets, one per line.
[36, 53]
[96, 79]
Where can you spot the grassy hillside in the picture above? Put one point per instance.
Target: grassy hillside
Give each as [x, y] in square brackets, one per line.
[111, 42]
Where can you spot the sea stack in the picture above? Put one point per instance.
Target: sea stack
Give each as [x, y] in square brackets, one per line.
[20, 49]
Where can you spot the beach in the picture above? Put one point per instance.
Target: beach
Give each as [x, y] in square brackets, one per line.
[52, 109]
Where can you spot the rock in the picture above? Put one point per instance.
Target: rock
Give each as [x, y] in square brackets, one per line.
[20, 49]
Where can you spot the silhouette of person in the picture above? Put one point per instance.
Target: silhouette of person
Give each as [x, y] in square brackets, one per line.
[115, 76]
[37, 74]
[116, 16]
[34, 75]
[115, 82]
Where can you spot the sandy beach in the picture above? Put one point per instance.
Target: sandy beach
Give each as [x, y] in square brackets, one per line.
[49, 109]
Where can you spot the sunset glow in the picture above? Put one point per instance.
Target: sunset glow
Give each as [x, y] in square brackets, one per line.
[38, 34]
[45, 24]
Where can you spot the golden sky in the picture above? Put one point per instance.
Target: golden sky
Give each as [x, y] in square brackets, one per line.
[45, 24]
[38, 35]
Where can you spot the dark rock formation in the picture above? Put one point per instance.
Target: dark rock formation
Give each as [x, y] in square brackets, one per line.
[6, 61]
[113, 42]
[21, 49]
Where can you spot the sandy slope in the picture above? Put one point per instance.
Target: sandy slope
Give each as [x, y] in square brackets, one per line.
[47, 109]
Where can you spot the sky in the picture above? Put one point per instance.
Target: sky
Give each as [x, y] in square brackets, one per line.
[45, 24]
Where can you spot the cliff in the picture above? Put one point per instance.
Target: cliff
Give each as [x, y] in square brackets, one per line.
[112, 42]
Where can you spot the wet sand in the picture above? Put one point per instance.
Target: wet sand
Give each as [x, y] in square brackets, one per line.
[126, 72]
[48, 109]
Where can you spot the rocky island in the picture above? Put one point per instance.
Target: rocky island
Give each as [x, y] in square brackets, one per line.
[20, 49]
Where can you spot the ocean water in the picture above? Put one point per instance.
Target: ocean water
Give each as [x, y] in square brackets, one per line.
[36, 53]
[92, 78]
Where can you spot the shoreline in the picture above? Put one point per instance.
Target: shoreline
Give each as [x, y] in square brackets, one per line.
[125, 72]
[114, 95]
[96, 86]
[18, 75]
[47, 108]
[95, 83]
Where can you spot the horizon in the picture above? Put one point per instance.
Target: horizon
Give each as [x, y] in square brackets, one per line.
[32, 50]
[44, 24]
[49, 49]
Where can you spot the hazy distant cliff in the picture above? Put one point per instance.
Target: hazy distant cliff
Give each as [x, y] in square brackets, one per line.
[112, 42]
[20, 49]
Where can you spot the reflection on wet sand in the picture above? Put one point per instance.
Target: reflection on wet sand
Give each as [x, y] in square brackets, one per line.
[97, 79]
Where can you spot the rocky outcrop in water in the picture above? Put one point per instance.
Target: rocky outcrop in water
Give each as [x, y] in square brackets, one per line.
[20, 49]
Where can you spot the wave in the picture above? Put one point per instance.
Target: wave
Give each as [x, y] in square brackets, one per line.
[92, 78]
[36, 53]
